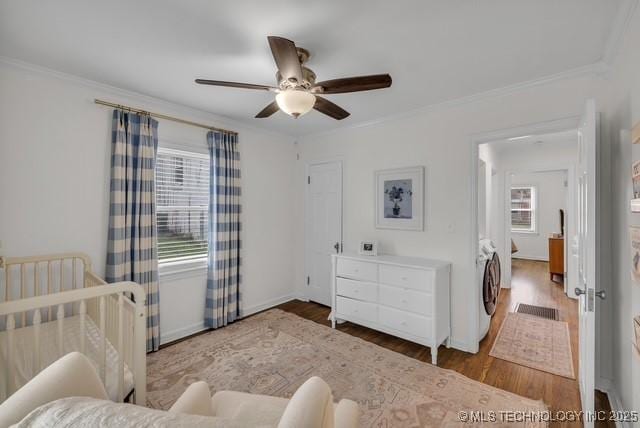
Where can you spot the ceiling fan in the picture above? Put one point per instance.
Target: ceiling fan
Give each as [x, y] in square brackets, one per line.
[297, 90]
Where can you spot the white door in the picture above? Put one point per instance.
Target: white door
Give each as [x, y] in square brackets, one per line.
[587, 257]
[323, 219]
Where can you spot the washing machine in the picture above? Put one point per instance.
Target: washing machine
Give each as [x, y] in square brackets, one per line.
[488, 270]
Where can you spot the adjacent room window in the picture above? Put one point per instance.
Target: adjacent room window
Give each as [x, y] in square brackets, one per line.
[523, 209]
[182, 201]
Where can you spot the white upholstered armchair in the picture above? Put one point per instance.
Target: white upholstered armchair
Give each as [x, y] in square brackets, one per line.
[74, 376]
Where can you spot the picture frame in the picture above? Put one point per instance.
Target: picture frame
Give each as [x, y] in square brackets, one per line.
[368, 248]
[634, 238]
[636, 329]
[635, 179]
[399, 198]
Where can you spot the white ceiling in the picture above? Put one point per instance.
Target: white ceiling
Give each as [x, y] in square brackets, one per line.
[435, 50]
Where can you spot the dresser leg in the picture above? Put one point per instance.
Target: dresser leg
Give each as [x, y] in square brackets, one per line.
[434, 355]
[447, 343]
[333, 323]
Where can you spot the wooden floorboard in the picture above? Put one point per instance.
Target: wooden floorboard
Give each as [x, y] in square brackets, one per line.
[530, 284]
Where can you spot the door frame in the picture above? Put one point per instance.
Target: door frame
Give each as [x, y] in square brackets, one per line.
[307, 169]
[571, 210]
[556, 125]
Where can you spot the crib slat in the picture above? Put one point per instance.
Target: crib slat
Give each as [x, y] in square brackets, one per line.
[49, 281]
[103, 343]
[7, 283]
[83, 327]
[60, 322]
[36, 282]
[23, 281]
[37, 319]
[11, 325]
[120, 347]
[73, 266]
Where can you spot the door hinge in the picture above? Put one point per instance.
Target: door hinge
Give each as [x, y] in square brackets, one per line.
[308, 179]
[308, 280]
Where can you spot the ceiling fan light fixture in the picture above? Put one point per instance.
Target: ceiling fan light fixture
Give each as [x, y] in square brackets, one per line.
[295, 102]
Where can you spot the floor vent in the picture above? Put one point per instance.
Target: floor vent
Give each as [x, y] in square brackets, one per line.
[538, 311]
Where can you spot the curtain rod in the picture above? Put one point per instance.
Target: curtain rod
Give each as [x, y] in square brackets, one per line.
[161, 116]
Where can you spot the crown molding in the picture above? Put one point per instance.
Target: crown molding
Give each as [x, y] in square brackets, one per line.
[598, 69]
[620, 26]
[188, 111]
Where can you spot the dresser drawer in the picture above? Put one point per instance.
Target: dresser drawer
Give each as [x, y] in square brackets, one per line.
[357, 270]
[406, 322]
[355, 308]
[416, 279]
[406, 299]
[357, 289]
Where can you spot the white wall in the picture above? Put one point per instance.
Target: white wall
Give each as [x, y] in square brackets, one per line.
[54, 170]
[621, 111]
[439, 139]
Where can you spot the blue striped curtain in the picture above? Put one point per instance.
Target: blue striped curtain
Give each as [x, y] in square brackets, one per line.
[223, 277]
[132, 253]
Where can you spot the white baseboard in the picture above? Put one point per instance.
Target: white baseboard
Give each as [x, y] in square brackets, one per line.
[534, 258]
[606, 386]
[268, 304]
[170, 336]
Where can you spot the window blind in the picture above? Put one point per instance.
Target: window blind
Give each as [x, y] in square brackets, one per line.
[182, 201]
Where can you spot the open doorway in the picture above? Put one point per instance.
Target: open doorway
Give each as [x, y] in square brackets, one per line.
[534, 286]
[527, 220]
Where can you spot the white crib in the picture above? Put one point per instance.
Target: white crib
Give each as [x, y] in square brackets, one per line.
[54, 304]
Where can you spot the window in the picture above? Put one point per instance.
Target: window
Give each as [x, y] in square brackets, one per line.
[523, 209]
[182, 201]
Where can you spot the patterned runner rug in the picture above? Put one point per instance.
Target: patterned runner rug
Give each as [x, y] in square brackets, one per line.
[535, 342]
[274, 352]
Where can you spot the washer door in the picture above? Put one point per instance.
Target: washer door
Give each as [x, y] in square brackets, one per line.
[491, 284]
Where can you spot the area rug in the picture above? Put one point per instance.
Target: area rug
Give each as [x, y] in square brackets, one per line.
[535, 342]
[274, 352]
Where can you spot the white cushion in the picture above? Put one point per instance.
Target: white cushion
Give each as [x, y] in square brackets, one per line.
[71, 375]
[196, 400]
[310, 407]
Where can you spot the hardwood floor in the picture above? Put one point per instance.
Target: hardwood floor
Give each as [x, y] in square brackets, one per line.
[530, 284]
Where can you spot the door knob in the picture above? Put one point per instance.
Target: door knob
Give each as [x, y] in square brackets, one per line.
[601, 294]
[579, 291]
[337, 247]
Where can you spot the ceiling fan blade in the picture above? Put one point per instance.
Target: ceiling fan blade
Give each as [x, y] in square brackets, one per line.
[235, 85]
[353, 84]
[268, 110]
[286, 58]
[325, 106]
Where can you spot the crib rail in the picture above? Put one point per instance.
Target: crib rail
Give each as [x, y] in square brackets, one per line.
[56, 287]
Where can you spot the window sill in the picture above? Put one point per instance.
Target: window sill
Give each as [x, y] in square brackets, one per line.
[182, 269]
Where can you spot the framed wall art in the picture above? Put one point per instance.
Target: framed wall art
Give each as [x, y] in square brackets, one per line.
[635, 179]
[634, 237]
[400, 198]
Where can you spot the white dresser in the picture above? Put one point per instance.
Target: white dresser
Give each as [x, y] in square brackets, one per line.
[403, 296]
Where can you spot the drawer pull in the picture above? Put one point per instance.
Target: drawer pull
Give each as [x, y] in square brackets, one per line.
[404, 278]
[356, 291]
[403, 323]
[404, 301]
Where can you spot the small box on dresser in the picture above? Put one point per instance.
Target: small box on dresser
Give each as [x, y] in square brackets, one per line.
[407, 297]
